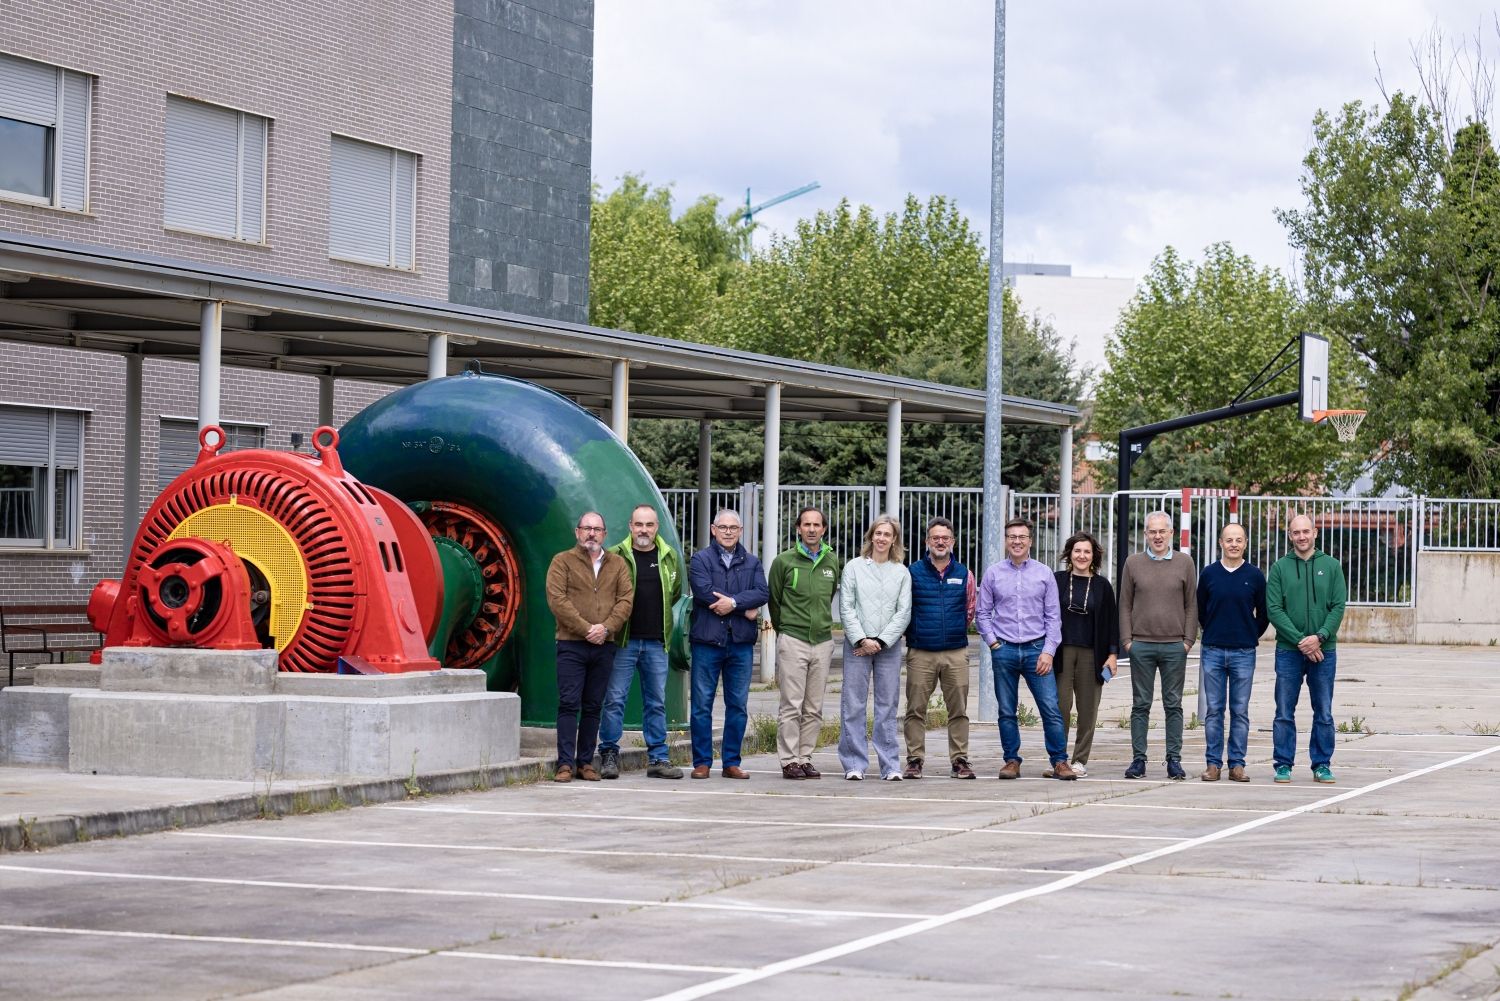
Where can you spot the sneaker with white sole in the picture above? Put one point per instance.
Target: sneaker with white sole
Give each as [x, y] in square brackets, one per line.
[1079, 770]
[854, 776]
[892, 777]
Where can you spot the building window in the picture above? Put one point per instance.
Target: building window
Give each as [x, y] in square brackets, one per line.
[179, 445]
[44, 133]
[372, 196]
[41, 454]
[216, 170]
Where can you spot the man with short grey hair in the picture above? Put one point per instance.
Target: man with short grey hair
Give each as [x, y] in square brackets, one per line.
[1158, 625]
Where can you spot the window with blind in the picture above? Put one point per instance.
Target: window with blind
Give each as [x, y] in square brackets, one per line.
[216, 170]
[372, 196]
[44, 133]
[179, 445]
[41, 458]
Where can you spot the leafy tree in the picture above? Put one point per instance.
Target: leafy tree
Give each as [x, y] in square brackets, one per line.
[1401, 238]
[1192, 338]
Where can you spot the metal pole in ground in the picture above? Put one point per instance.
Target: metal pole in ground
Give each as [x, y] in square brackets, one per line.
[994, 513]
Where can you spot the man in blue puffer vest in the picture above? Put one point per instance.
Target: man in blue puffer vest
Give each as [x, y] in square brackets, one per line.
[937, 649]
[729, 587]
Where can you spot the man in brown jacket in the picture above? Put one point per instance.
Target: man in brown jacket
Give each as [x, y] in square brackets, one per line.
[590, 594]
[1158, 625]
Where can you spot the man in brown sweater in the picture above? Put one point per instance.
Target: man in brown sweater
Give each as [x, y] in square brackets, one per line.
[1158, 625]
[590, 594]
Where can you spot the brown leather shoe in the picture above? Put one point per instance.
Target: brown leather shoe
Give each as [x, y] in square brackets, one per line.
[1237, 774]
[961, 769]
[1010, 770]
[809, 772]
[1210, 774]
[564, 773]
[792, 771]
[701, 771]
[588, 773]
[734, 772]
[913, 769]
[1064, 771]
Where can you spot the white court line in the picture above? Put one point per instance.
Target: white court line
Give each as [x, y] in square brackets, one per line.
[488, 894]
[388, 950]
[835, 797]
[711, 857]
[1156, 806]
[1006, 899]
[742, 822]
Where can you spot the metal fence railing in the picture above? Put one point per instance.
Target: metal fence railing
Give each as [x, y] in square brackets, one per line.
[1377, 539]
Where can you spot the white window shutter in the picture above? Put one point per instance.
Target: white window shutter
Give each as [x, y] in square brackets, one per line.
[69, 437]
[28, 91]
[405, 199]
[202, 155]
[359, 201]
[253, 179]
[73, 142]
[24, 433]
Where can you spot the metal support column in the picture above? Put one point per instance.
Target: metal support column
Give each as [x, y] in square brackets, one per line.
[992, 544]
[619, 402]
[1065, 490]
[770, 532]
[130, 510]
[893, 459]
[325, 401]
[705, 469]
[210, 351]
[437, 356]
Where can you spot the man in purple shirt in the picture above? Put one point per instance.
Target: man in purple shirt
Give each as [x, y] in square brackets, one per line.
[1021, 622]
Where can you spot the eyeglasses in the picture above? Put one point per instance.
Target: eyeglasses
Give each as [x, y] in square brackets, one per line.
[726, 528]
[589, 529]
[1018, 538]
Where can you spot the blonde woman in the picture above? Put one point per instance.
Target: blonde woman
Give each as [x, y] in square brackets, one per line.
[875, 604]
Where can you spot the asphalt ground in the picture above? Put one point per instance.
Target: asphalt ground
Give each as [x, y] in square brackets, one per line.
[1386, 885]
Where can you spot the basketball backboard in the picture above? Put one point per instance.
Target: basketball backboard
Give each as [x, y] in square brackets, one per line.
[1314, 376]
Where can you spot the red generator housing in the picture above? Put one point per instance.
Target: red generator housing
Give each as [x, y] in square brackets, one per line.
[258, 548]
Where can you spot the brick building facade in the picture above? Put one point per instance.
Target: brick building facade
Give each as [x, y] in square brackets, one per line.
[484, 103]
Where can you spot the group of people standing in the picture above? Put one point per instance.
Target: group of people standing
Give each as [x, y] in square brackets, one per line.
[1061, 631]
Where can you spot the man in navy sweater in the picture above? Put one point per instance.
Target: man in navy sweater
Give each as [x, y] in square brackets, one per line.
[1232, 611]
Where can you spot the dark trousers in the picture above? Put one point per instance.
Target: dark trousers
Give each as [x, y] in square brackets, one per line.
[583, 671]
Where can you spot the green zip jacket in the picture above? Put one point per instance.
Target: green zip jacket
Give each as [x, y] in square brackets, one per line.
[802, 589]
[1306, 598]
[669, 565]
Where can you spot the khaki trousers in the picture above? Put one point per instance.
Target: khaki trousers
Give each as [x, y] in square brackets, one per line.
[1076, 678]
[801, 677]
[925, 670]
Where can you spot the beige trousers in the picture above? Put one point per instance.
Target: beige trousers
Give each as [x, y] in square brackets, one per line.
[925, 670]
[801, 677]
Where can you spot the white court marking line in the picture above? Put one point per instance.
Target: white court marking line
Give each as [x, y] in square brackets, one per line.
[1060, 804]
[1006, 899]
[388, 950]
[489, 894]
[711, 857]
[769, 823]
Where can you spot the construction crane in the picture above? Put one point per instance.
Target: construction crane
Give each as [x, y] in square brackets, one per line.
[748, 212]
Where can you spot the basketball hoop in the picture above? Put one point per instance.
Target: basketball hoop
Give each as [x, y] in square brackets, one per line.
[1345, 422]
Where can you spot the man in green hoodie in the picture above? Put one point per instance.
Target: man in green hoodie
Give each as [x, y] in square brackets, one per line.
[1305, 597]
[803, 580]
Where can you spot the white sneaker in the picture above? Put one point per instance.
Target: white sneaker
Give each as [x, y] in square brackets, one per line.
[892, 777]
[855, 776]
[1079, 770]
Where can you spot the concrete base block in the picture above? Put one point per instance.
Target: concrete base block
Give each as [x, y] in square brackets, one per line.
[34, 726]
[381, 686]
[246, 737]
[66, 676]
[188, 670]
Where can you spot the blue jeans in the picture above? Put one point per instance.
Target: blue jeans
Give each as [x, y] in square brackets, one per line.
[731, 662]
[1230, 671]
[1011, 663]
[649, 656]
[1291, 669]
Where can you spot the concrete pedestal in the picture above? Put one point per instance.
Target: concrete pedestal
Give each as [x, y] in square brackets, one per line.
[230, 715]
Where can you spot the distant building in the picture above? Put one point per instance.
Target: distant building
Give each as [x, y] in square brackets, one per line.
[1082, 310]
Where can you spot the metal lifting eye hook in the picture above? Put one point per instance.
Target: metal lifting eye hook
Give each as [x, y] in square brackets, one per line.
[325, 441]
[210, 440]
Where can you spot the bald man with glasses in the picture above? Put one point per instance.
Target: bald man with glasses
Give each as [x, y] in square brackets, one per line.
[590, 595]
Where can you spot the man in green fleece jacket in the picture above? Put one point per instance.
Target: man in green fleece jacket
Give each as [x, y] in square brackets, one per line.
[803, 581]
[1305, 597]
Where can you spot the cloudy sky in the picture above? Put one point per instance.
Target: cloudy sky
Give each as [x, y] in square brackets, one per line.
[1129, 126]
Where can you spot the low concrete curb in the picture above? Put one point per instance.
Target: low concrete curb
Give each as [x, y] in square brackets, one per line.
[34, 834]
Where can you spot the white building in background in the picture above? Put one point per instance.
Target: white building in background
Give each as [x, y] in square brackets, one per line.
[1082, 310]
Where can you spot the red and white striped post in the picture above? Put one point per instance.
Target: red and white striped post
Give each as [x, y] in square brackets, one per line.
[1184, 522]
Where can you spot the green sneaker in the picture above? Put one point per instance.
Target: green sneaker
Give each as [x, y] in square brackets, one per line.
[1324, 775]
[1283, 773]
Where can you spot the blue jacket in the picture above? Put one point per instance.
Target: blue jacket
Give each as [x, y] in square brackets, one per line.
[743, 580]
[939, 606]
[1232, 606]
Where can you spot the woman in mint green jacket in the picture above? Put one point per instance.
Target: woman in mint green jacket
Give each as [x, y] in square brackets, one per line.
[875, 605]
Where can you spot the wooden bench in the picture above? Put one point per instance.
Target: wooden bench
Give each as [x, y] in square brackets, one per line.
[50, 630]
